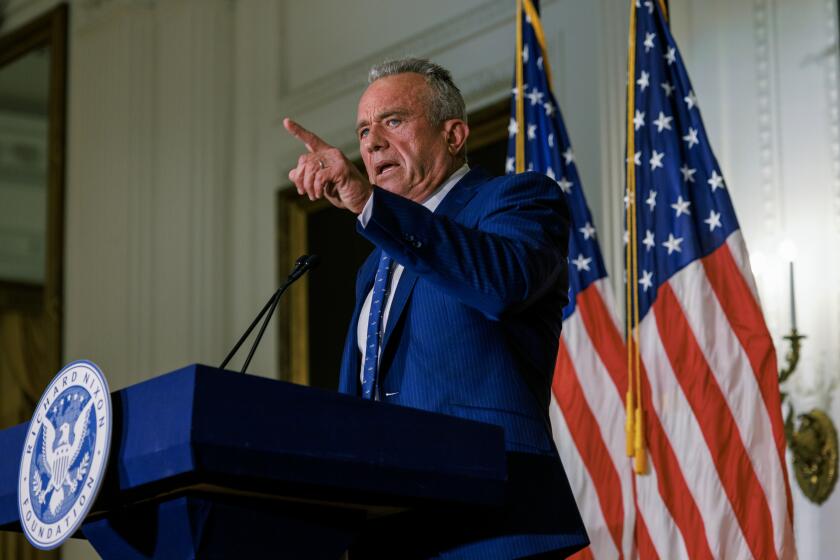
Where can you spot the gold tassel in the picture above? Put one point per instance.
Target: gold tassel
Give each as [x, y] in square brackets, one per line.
[640, 459]
[629, 423]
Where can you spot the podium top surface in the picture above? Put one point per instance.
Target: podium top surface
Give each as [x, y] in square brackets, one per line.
[206, 429]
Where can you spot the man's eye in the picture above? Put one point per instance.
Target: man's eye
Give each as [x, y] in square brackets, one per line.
[393, 122]
[364, 132]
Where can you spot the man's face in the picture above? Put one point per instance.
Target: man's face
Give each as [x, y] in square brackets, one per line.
[403, 152]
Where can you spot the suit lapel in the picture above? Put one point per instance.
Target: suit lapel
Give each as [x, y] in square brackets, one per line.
[461, 193]
[455, 200]
[404, 289]
[364, 282]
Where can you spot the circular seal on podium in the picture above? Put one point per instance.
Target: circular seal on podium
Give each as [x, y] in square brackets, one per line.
[64, 454]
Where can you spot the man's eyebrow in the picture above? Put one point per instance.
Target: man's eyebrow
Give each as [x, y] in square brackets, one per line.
[399, 111]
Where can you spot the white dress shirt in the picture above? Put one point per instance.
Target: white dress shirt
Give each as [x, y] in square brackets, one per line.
[431, 203]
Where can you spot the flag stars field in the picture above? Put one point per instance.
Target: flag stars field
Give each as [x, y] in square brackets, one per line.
[651, 200]
[691, 138]
[581, 262]
[691, 100]
[681, 207]
[568, 156]
[646, 281]
[648, 241]
[535, 96]
[715, 181]
[673, 243]
[656, 160]
[713, 220]
[639, 120]
[532, 132]
[644, 80]
[565, 185]
[687, 173]
[649, 37]
[663, 122]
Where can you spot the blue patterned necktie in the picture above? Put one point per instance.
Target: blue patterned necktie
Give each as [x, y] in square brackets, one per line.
[381, 286]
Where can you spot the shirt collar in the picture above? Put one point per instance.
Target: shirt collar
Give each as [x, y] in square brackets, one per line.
[437, 197]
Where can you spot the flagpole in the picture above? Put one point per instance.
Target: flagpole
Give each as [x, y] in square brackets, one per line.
[630, 404]
[634, 427]
[665, 8]
[520, 101]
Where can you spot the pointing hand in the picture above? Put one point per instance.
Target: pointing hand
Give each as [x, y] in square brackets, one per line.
[324, 171]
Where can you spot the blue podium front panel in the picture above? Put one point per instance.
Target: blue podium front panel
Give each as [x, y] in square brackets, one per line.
[200, 429]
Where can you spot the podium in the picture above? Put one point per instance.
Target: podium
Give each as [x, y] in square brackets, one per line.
[207, 463]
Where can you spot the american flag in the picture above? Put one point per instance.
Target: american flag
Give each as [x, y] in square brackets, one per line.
[717, 484]
[587, 407]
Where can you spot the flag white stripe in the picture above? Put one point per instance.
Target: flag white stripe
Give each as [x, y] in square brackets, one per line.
[605, 290]
[738, 248]
[723, 531]
[601, 394]
[731, 368]
[663, 532]
[601, 541]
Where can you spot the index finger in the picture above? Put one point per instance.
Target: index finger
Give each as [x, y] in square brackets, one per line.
[310, 139]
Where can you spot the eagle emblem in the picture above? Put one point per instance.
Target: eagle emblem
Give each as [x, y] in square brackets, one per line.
[58, 459]
[64, 455]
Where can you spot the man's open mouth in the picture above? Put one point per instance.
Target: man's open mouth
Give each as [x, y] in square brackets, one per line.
[385, 167]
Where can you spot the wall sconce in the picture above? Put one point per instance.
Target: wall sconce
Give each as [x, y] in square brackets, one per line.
[811, 436]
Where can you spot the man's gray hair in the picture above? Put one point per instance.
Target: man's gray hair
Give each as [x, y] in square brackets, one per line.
[446, 101]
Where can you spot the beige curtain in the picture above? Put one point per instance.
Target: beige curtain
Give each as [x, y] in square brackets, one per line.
[29, 357]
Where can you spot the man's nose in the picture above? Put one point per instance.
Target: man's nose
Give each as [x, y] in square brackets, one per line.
[375, 139]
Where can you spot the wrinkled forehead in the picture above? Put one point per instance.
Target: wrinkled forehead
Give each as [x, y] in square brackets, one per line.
[407, 91]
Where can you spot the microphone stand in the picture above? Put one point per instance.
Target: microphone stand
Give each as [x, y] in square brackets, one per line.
[302, 265]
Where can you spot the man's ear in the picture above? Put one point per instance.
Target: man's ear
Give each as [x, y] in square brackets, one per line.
[456, 132]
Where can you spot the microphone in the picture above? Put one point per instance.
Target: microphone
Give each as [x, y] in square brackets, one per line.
[303, 264]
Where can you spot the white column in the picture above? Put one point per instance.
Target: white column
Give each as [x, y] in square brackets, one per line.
[149, 147]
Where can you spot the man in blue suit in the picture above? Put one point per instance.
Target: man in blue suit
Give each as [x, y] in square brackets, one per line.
[459, 308]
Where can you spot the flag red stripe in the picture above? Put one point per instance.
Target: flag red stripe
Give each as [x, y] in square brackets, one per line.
[589, 442]
[671, 482]
[747, 322]
[608, 342]
[719, 428]
[585, 554]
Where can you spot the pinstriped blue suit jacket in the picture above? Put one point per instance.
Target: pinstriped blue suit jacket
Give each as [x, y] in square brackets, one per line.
[474, 326]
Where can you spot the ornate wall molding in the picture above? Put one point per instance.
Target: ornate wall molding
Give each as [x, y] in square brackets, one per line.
[766, 76]
[831, 66]
[486, 85]
[427, 42]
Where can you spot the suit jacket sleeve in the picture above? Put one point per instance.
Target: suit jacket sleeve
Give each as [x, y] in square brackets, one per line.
[503, 251]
